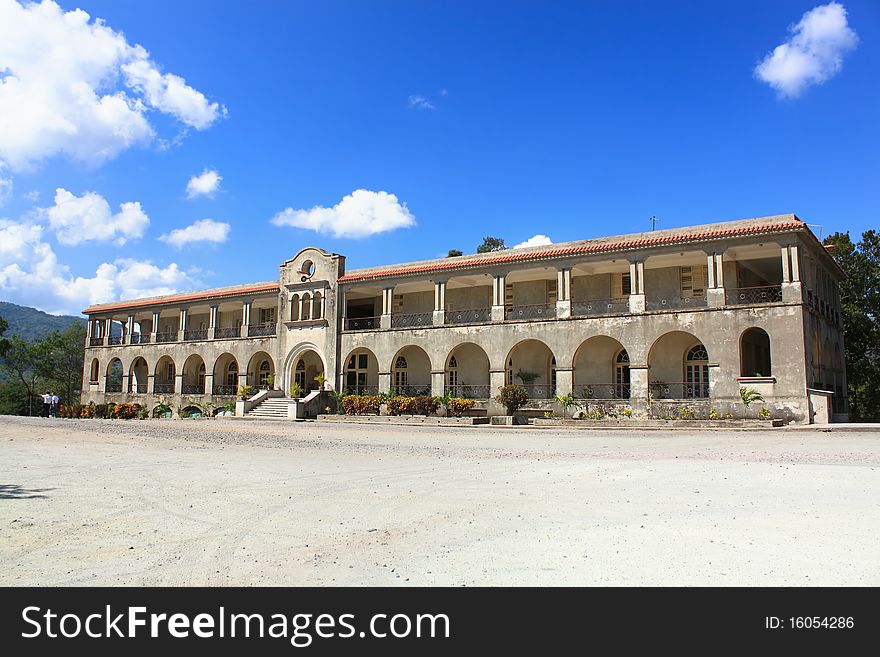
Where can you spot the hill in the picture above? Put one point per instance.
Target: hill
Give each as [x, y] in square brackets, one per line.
[33, 324]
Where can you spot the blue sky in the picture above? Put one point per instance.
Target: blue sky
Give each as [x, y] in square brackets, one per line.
[569, 120]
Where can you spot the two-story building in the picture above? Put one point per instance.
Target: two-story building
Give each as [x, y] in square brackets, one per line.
[683, 316]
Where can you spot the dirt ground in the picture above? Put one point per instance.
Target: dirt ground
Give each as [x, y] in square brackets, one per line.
[226, 502]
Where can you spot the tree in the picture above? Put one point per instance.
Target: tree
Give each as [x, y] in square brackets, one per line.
[22, 361]
[4, 343]
[64, 364]
[491, 244]
[454, 253]
[860, 312]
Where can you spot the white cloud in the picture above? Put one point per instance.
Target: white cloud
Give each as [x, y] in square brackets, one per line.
[205, 230]
[88, 218]
[537, 240]
[812, 55]
[359, 214]
[420, 103]
[5, 190]
[72, 86]
[204, 184]
[31, 275]
[33, 196]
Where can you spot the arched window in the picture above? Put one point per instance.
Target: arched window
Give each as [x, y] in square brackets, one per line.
[552, 376]
[452, 375]
[621, 375]
[400, 379]
[508, 374]
[299, 374]
[294, 308]
[202, 375]
[306, 307]
[265, 371]
[696, 372]
[356, 372]
[93, 375]
[114, 376]
[316, 306]
[232, 374]
[754, 353]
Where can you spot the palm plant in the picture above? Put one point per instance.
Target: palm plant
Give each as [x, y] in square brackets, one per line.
[749, 395]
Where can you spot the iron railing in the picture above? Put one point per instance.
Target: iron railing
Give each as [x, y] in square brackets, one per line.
[163, 388]
[676, 303]
[412, 391]
[140, 338]
[261, 330]
[361, 390]
[361, 323]
[139, 389]
[679, 390]
[469, 316]
[115, 339]
[195, 334]
[469, 391]
[114, 386]
[168, 336]
[530, 311]
[540, 390]
[224, 391]
[610, 306]
[601, 391]
[412, 320]
[193, 389]
[96, 342]
[742, 296]
[227, 332]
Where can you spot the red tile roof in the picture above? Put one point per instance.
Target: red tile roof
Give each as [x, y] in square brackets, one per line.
[200, 295]
[581, 249]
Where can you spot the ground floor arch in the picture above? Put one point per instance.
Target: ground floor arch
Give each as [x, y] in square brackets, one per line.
[754, 353]
[601, 369]
[225, 375]
[467, 372]
[114, 376]
[411, 372]
[361, 372]
[261, 371]
[532, 364]
[194, 375]
[678, 367]
[163, 376]
[138, 376]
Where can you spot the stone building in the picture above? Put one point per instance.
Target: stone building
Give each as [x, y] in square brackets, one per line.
[681, 317]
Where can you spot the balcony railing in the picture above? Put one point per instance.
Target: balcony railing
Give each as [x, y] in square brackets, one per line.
[610, 306]
[540, 390]
[413, 391]
[470, 391]
[601, 391]
[361, 390]
[115, 339]
[163, 388]
[195, 334]
[139, 389]
[679, 390]
[261, 330]
[227, 332]
[224, 391]
[361, 323]
[114, 386]
[469, 316]
[168, 336]
[742, 296]
[96, 342]
[193, 389]
[676, 303]
[140, 338]
[412, 320]
[530, 311]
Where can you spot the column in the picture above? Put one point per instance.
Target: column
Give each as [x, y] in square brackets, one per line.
[496, 381]
[155, 327]
[181, 324]
[246, 317]
[637, 287]
[178, 381]
[715, 294]
[130, 326]
[792, 291]
[209, 383]
[563, 293]
[438, 383]
[212, 323]
[108, 330]
[387, 303]
[564, 380]
[498, 284]
[439, 303]
[384, 382]
[638, 390]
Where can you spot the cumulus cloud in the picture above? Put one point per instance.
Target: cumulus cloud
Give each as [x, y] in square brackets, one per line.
[88, 218]
[73, 86]
[205, 230]
[537, 240]
[812, 55]
[33, 196]
[5, 190]
[420, 102]
[204, 184]
[30, 274]
[359, 214]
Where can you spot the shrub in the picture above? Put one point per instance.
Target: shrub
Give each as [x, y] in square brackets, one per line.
[749, 395]
[628, 412]
[423, 405]
[162, 410]
[125, 411]
[713, 414]
[361, 404]
[685, 413]
[764, 413]
[513, 397]
[457, 406]
[296, 390]
[245, 391]
[229, 407]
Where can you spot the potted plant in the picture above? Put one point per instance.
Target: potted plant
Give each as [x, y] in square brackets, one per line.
[245, 392]
[320, 379]
[513, 397]
[296, 390]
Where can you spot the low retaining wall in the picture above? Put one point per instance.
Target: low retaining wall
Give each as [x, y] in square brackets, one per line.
[432, 420]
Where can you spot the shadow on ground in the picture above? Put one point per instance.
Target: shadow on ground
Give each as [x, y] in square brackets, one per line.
[15, 492]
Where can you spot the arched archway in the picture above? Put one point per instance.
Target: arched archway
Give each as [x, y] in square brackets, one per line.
[307, 365]
[411, 372]
[467, 372]
[114, 376]
[678, 367]
[138, 376]
[601, 369]
[94, 371]
[261, 371]
[163, 376]
[754, 353]
[532, 363]
[294, 308]
[225, 376]
[194, 375]
[361, 372]
[306, 312]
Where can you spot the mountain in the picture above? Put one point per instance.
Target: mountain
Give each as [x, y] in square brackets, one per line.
[33, 324]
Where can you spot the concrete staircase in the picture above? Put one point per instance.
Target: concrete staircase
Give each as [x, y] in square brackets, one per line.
[274, 408]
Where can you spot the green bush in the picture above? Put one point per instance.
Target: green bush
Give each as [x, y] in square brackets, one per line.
[361, 404]
[513, 397]
[457, 406]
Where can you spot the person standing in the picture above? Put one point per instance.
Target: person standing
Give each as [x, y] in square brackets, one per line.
[53, 409]
[47, 403]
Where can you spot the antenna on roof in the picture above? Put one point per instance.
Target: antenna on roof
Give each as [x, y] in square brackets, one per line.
[819, 226]
[654, 221]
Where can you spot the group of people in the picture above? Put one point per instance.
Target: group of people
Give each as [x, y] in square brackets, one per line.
[50, 404]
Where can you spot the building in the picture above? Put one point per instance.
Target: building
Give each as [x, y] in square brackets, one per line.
[670, 317]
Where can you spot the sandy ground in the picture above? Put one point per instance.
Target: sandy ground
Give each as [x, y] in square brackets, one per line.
[225, 502]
